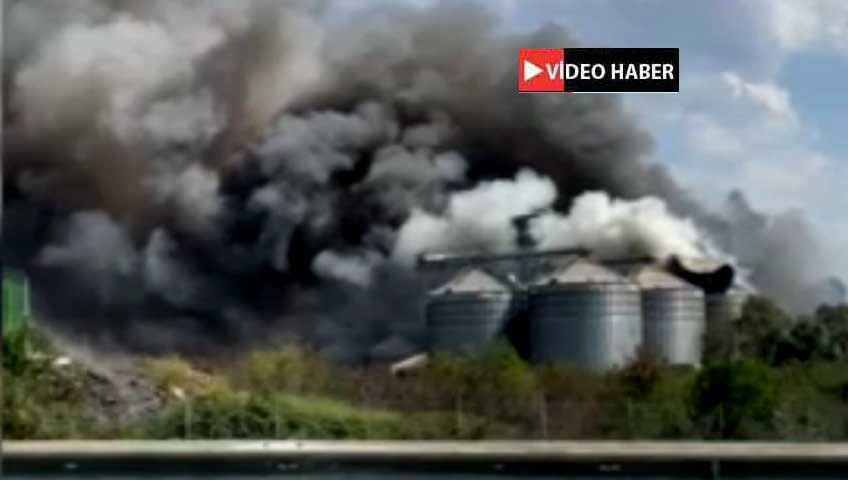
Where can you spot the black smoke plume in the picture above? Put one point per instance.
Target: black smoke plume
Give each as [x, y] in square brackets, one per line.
[199, 175]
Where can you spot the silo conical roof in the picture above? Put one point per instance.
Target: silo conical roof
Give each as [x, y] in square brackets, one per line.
[469, 280]
[651, 277]
[580, 271]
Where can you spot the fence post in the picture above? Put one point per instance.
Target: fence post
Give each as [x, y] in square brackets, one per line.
[809, 421]
[543, 415]
[460, 428]
[277, 429]
[367, 417]
[187, 417]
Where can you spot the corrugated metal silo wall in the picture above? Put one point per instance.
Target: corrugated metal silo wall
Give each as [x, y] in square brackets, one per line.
[596, 326]
[674, 324]
[721, 310]
[465, 322]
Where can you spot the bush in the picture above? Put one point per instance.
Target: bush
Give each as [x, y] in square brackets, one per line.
[171, 374]
[495, 382]
[213, 415]
[15, 352]
[497, 370]
[21, 347]
[228, 414]
[289, 369]
[567, 383]
[638, 379]
[736, 399]
[40, 401]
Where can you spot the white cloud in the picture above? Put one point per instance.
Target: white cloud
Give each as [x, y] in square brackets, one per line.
[749, 138]
[767, 95]
[790, 178]
[811, 24]
[706, 135]
[793, 24]
[777, 165]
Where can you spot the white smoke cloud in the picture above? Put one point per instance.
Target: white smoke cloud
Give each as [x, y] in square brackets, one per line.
[614, 228]
[355, 269]
[477, 219]
[482, 219]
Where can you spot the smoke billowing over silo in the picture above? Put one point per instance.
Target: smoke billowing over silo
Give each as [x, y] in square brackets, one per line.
[198, 175]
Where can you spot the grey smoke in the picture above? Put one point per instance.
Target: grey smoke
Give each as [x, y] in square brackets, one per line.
[310, 148]
[99, 251]
[191, 197]
[783, 257]
[164, 275]
[197, 174]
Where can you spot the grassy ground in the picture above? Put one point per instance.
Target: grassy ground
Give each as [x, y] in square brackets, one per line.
[290, 393]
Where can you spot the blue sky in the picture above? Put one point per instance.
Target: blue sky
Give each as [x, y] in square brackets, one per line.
[763, 103]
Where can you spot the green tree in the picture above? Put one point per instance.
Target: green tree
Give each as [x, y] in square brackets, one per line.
[835, 320]
[807, 340]
[759, 329]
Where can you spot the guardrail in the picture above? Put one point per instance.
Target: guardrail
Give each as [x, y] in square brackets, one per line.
[601, 458]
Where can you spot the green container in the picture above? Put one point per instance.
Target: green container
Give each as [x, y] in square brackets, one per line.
[16, 309]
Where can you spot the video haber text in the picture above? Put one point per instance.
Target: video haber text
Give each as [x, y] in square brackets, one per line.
[617, 71]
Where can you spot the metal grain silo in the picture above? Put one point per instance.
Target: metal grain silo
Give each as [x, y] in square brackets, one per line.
[469, 311]
[672, 314]
[585, 314]
[724, 308]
